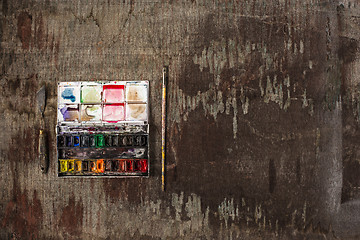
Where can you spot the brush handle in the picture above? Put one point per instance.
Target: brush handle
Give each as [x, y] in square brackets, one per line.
[163, 127]
[43, 157]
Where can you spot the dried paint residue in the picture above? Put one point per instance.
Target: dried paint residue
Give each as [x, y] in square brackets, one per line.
[136, 93]
[91, 113]
[91, 94]
[68, 113]
[113, 93]
[69, 94]
[114, 112]
[136, 112]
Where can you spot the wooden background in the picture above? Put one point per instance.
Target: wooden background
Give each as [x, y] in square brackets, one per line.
[263, 118]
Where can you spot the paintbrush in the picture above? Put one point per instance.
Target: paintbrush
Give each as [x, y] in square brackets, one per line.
[41, 102]
[163, 127]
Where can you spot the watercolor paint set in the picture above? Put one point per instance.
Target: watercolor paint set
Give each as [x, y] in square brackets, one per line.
[102, 129]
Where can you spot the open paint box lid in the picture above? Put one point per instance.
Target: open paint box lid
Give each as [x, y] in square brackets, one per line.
[99, 103]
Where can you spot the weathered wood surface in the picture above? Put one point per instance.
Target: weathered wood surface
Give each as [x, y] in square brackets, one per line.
[263, 124]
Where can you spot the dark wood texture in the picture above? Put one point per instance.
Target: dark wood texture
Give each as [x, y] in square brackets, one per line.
[263, 118]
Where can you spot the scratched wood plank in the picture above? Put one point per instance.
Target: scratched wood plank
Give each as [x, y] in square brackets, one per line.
[263, 109]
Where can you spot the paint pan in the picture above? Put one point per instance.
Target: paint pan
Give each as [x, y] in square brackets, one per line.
[91, 113]
[91, 93]
[69, 94]
[136, 112]
[68, 113]
[69, 141]
[108, 140]
[71, 165]
[137, 165]
[113, 93]
[61, 141]
[137, 140]
[92, 141]
[114, 113]
[100, 141]
[85, 166]
[115, 140]
[122, 166]
[144, 141]
[63, 166]
[129, 166]
[144, 165]
[115, 165]
[140, 140]
[136, 92]
[121, 141]
[127, 140]
[92, 166]
[100, 166]
[85, 141]
[76, 141]
[107, 165]
[78, 166]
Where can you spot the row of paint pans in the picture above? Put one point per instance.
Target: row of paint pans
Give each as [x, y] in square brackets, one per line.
[100, 140]
[98, 102]
[103, 92]
[102, 166]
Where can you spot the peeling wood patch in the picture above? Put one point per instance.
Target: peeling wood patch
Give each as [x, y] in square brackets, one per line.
[24, 29]
[71, 219]
[23, 214]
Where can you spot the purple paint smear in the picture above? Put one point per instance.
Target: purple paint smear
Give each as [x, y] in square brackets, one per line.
[69, 114]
